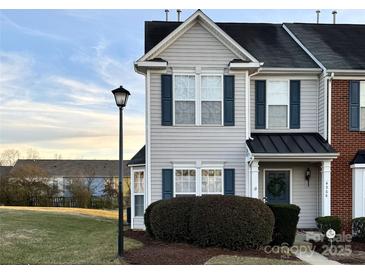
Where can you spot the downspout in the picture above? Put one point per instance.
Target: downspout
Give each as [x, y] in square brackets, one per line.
[248, 101]
[329, 115]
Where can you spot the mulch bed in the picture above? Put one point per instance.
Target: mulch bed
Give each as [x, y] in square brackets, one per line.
[357, 255]
[157, 252]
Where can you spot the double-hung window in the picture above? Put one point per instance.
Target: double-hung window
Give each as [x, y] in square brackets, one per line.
[277, 104]
[212, 181]
[185, 99]
[211, 99]
[138, 192]
[185, 182]
[198, 99]
[362, 105]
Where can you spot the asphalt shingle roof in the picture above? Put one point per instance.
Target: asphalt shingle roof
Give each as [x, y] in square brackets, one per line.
[139, 158]
[339, 46]
[359, 157]
[288, 143]
[77, 168]
[269, 43]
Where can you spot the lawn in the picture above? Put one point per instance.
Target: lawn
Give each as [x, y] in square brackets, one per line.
[59, 236]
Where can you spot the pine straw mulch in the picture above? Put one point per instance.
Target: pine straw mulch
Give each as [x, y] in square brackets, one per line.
[156, 252]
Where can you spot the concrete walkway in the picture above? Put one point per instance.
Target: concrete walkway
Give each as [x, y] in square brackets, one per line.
[312, 257]
[306, 254]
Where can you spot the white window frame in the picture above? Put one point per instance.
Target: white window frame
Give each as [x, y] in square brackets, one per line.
[174, 98]
[133, 194]
[201, 178]
[196, 180]
[361, 91]
[267, 103]
[222, 98]
[198, 101]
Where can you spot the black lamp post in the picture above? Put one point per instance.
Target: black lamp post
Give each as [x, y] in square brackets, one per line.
[121, 97]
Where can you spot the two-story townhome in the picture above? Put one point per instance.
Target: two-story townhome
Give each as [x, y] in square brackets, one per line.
[233, 109]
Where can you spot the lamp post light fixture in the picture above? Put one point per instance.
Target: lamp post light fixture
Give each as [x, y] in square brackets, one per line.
[121, 97]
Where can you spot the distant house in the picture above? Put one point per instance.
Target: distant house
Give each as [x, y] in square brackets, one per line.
[4, 171]
[94, 172]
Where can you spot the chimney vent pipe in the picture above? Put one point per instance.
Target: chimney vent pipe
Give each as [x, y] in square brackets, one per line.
[178, 15]
[167, 15]
[334, 16]
[318, 12]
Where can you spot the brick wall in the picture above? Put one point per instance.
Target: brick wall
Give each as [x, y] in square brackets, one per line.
[347, 143]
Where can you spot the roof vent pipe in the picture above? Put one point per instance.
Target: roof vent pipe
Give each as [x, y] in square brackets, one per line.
[334, 16]
[167, 15]
[178, 15]
[318, 12]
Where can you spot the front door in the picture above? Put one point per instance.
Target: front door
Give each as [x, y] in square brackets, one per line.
[277, 186]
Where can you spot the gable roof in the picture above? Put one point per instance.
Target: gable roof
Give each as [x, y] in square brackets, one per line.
[359, 157]
[268, 43]
[182, 27]
[287, 143]
[77, 168]
[336, 46]
[139, 158]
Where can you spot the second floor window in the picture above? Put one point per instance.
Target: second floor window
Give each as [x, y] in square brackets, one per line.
[277, 104]
[198, 99]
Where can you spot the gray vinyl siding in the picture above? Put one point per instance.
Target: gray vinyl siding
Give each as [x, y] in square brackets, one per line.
[197, 47]
[188, 144]
[308, 107]
[304, 196]
[321, 106]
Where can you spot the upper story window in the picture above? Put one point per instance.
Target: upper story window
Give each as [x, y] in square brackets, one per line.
[277, 104]
[362, 105]
[185, 97]
[198, 99]
[211, 99]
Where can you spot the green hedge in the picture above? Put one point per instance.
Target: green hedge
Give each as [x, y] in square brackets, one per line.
[147, 218]
[327, 222]
[358, 229]
[286, 220]
[215, 220]
[170, 219]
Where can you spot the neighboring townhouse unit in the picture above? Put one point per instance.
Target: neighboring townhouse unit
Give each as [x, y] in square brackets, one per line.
[340, 52]
[93, 172]
[234, 109]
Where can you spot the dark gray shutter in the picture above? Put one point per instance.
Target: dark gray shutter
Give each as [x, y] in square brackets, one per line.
[166, 100]
[229, 100]
[260, 104]
[229, 181]
[294, 104]
[167, 184]
[354, 105]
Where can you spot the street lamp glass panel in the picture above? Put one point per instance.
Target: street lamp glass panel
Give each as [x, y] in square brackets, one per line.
[121, 96]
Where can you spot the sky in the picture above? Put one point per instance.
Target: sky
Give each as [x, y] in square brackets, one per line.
[57, 68]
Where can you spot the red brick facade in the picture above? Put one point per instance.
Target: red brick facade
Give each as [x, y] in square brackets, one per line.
[347, 143]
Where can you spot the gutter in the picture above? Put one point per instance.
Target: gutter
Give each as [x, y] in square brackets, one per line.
[329, 108]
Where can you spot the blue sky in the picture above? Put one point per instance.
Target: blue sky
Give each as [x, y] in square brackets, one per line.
[57, 68]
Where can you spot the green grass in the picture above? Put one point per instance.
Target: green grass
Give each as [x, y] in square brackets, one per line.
[36, 237]
[238, 260]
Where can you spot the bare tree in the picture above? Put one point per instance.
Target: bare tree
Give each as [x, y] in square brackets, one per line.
[57, 156]
[32, 154]
[9, 157]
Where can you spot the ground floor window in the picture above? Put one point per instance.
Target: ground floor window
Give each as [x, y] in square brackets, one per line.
[138, 192]
[185, 181]
[212, 181]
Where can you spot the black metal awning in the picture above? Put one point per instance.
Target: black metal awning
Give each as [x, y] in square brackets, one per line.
[289, 143]
[359, 157]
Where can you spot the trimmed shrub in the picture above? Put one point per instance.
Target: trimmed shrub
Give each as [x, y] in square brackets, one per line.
[231, 222]
[147, 218]
[327, 222]
[170, 219]
[358, 229]
[286, 220]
